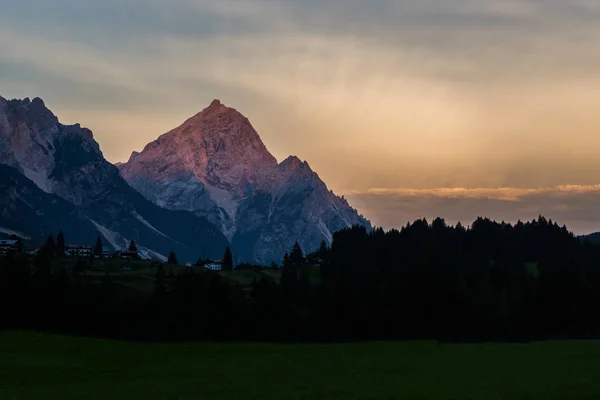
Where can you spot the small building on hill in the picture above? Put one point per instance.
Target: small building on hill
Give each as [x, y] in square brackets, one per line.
[78, 250]
[213, 265]
[130, 254]
[8, 246]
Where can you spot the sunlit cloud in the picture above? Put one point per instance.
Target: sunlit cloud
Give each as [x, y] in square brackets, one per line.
[573, 205]
[504, 194]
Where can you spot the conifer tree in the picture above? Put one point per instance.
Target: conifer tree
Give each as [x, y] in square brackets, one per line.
[133, 247]
[98, 247]
[286, 259]
[323, 252]
[60, 244]
[228, 260]
[297, 256]
[172, 258]
[49, 248]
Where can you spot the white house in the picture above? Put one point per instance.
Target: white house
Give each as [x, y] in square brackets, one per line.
[213, 265]
[7, 246]
[78, 250]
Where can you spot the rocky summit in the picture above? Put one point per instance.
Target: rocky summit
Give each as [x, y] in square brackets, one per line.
[216, 166]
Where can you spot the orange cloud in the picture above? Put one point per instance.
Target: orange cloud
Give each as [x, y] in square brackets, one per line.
[501, 193]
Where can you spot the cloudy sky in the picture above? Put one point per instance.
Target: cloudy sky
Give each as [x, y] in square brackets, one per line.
[410, 108]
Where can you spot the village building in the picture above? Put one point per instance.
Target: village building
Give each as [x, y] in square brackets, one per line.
[213, 265]
[8, 246]
[129, 254]
[78, 250]
[106, 253]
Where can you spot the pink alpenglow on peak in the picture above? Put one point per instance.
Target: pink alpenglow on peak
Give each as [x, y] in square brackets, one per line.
[216, 165]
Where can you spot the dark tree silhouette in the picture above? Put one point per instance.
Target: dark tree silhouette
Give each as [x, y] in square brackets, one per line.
[98, 247]
[132, 247]
[228, 260]
[50, 247]
[172, 258]
[490, 281]
[286, 259]
[60, 244]
[297, 256]
[323, 252]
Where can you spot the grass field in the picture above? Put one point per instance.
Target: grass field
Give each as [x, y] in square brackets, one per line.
[40, 366]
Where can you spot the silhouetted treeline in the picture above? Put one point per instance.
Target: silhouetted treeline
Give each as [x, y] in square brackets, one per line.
[492, 281]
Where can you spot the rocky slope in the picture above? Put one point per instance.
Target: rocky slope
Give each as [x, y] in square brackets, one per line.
[206, 165]
[215, 165]
[29, 212]
[65, 162]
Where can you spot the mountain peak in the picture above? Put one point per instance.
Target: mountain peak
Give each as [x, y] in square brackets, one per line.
[215, 108]
[37, 102]
[294, 162]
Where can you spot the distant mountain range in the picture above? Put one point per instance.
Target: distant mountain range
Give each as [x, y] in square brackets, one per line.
[205, 185]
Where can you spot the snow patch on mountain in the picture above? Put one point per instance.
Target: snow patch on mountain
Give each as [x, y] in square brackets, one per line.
[325, 231]
[149, 225]
[224, 200]
[10, 232]
[148, 254]
[226, 204]
[118, 242]
[40, 178]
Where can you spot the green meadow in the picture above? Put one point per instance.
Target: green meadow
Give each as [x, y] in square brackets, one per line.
[43, 366]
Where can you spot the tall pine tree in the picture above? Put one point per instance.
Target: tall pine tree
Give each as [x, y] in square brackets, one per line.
[50, 247]
[228, 260]
[297, 256]
[172, 259]
[323, 252]
[133, 247]
[60, 244]
[98, 247]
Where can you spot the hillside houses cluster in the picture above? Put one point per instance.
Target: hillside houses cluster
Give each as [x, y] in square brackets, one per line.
[213, 265]
[85, 251]
[59, 248]
[14, 246]
[8, 246]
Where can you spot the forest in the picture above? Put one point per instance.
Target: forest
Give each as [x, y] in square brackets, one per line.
[428, 280]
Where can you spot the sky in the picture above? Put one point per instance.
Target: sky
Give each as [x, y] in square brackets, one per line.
[410, 109]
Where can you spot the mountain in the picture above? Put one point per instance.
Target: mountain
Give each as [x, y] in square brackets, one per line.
[205, 166]
[216, 166]
[27, 208]
[592, 237]
[75, 184]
